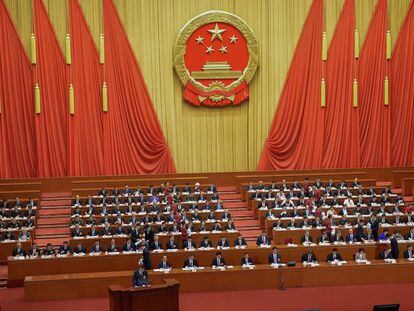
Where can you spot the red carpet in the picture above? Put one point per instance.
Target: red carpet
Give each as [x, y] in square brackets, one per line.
[341, 298]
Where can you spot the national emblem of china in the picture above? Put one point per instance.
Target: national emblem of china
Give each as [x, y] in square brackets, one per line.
[215, 57]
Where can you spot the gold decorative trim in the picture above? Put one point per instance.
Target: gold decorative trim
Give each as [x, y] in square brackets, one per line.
[210, 17]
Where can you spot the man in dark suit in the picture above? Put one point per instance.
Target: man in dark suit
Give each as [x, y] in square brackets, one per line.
[128, 246]
[49, 251]
[306, 238]
[172, 244]
[309, 257]
[263, 239]
[190, 262]
[18, 251]
[156, 244]
[106, 230]
[96, 248]
[140, 277]
[338, 237]
[386, 254]
[250, 186]
[218, 261]
[212, 188]
[240, 241]
[206, 242]
[374, 227]
[274, 257]
[409, 253]
[189, 243]
[360, 231]
[93, 232]
[164, 264]
[76, 201]
[324, 238]
[145, 255]
[77, 232]
[103, 192]
[112, 248]
[34, 251]
[149, 234]
[334, 256]
[133, 233]
[246, 260]
[394, 247]
[187, 188]
[410, 235]
[79, 249]
[223, 242]
[356, 183]
[351, 237]
[65, 249]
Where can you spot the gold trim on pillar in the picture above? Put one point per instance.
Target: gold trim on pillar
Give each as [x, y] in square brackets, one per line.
[356, 43]
[389, 44]
[71, 100]
[68, 53]
[37, 99]
[355, 94]
[105, 97]
[386, 92]
[33, 49]
[324, 46]
[323, 93]
[101, 49]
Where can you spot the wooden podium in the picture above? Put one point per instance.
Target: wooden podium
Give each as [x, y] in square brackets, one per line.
[153, 298]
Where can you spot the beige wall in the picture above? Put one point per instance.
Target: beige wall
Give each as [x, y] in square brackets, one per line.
[204, 139]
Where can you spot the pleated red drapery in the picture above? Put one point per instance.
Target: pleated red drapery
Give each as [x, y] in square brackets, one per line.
[51, 74]
[295, 138]
[341, 128]
[402, 94]
[85, 126]
[374, 114]
[17, 136]
[133, 139]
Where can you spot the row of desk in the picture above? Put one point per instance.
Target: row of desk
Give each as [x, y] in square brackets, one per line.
[203, 214]
[365, 184]
[250, 197]
[86, 285]
[261, 212]
[294, 236]
[19, 269]
[197, 237]
[126, 227]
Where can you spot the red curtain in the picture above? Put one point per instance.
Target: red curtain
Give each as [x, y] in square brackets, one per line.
[51, 74]
[295, 138]
[374, 115]
[17, 137]
[402, 94]
[133, 139]
[341, 129]
[85, 126]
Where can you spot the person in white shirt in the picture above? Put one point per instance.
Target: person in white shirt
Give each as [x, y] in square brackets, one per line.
[348, 202]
